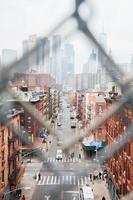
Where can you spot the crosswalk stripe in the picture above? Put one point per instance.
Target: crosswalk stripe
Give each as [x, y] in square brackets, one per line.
[40, 180]
[55, 179]
[58, 180]
[52, 178]
[74, 181]
[47, 180]
[65, 159]
[70, 178]
[44, 178]
[82, 181]
[66, 179]
[62, 179]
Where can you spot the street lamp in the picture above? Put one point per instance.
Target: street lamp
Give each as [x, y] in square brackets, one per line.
[9, 192]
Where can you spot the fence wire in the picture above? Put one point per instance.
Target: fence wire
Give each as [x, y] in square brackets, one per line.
[7, 74]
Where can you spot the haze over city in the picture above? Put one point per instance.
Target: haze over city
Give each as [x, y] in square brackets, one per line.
[23, 18]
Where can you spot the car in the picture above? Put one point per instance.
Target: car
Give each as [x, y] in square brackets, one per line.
[59, 154]
[73, 124]
[71, 117]
[68, 106]
[86, 193]
[59, 143]
[58, 123]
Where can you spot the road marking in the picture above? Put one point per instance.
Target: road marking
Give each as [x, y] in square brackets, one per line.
[64, 160]
[62, 179]
[52, 178]
[82, 181]
[74, 181]
[55, 179]
[47, 197]
[44, 178]
[70, 178]
[59, 179]
[66, 179]
[47, 180]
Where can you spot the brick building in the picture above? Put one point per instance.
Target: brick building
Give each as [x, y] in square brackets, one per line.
[28, 123]
[120, 165]
[33, 80]
[11, 169]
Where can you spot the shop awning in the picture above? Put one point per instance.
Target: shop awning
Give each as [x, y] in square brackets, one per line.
[93, 145]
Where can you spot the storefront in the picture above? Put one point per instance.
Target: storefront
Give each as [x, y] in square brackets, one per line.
[92, 147]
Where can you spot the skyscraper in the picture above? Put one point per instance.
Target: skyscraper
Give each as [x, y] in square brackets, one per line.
[43, 55]
[31, 62]
[8, 56]
[91, 65]
[56, 58]
[103, 43]
[68, 61]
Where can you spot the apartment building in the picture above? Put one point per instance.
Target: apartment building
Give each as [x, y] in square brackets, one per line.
[11, 169]
[120, 165]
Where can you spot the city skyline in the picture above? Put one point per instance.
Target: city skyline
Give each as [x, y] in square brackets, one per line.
[119, 34]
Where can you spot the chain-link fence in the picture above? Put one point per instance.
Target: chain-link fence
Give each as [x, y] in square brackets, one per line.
[7, 75]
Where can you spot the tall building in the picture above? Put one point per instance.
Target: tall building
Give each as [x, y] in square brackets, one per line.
[68, 61]
[103, 43]
[8, 56]
[56, 58]
[31, 62]
[39, 60]
[43, 55]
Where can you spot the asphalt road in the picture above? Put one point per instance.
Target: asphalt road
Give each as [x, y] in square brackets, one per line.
[61, 181]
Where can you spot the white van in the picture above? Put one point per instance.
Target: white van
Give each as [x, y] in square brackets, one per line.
[59, 154]
[86, 193]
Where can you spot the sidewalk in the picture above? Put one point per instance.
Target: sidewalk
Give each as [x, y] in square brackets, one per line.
[100, 189]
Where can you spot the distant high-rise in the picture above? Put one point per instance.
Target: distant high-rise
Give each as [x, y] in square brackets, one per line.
[68, 61]
[91, 65]
[43, 55]
[31, 62]
[56, 58]
[39, 60]
[103, 43]
[8, 56]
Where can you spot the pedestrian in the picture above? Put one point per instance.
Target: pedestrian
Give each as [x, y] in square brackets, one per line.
[100, 175]
[39, 176]
[79, 156]
[90, 177]
[103, 198]
[23, 197]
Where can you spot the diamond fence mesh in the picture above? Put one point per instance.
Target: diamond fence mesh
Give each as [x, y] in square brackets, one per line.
[7, 74]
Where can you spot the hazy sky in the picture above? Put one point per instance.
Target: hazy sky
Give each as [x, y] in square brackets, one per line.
[20, 18]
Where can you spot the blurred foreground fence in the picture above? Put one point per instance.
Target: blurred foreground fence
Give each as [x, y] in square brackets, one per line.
[7, 75]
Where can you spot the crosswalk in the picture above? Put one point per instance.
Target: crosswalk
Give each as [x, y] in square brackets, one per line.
[63, 180]
[64, 160]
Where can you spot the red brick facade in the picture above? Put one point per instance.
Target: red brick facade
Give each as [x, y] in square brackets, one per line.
[10, 161]
[120, 165]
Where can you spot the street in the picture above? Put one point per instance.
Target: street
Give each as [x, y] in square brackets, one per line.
[60, 179]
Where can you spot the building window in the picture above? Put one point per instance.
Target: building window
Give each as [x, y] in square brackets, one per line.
[2, 155]
[2, 176]
[128, 149]
[2, 136]
[9, 131]
[99, 131]
[100, 109]
[128, 173]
